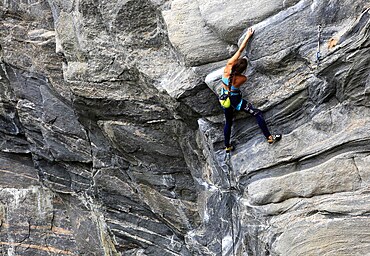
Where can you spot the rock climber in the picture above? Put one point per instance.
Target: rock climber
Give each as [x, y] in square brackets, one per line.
[232, 79]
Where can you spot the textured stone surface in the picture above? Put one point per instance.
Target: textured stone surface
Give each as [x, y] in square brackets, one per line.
[230, 18]
[111, 133]
[196, 43]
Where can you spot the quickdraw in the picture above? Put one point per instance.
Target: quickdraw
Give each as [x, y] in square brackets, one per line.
[318, 53]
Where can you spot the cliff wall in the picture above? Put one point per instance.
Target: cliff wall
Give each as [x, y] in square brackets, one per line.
[111, 137]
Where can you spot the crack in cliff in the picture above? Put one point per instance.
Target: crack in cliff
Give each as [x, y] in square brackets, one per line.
[357, 171]
[336, 214]
[28, 234]
[300, 197]
[92, 169]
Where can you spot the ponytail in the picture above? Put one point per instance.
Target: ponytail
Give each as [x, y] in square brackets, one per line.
[239, 67]
[232, 73]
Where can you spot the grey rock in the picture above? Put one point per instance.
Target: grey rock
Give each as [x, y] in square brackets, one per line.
[111, 137]
[11, 130]
[197, 44]
[17, 171]
[306, 182]
[31, 214]
[230, 19]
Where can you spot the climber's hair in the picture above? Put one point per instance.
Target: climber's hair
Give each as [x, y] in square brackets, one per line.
[239, 67]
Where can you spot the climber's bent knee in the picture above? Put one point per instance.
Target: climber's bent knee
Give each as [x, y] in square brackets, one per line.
[251, 110]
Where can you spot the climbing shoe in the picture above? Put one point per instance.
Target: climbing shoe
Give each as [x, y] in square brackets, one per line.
[229, 149]
[274, 138]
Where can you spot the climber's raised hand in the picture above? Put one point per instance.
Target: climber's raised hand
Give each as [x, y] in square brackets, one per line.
[250, 32]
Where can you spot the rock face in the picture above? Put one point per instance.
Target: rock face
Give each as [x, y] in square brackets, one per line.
[111, 132]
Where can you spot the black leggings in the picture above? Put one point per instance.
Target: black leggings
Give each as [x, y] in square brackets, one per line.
[247, 108]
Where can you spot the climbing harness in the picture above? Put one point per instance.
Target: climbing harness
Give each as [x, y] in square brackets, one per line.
[224, 98]
[226, 92]
[318, 53]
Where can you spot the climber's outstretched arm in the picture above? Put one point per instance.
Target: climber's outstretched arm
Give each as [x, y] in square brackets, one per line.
[242, 46]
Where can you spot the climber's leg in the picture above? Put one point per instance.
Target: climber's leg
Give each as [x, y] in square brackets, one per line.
[248, 108]
[228, 123]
